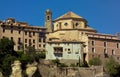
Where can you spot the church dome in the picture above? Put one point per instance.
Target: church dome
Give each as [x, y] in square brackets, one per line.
[70, 15]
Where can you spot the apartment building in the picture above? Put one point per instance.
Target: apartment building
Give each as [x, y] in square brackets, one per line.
[23, 34]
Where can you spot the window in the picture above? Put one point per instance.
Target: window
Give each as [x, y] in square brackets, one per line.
[18, 47]
[69, 52]
[58, 51]
[48, 17]
[19, 32]
[105, 51]
[33, 33]
[117, 45]
[68, 49]
[44, 40]
[44, 45]
[30, 42]
[76, 24]
[33, 46]
[25, 40]
[25, 45]
[66, 24]
[25, 32]
[39, 45]
[33, 41]
[105, 44]
[30, 35]
[39, 39]
[113, 52]
[3, 30]
[92, 43]
[12, 38]
[11, 31]
[93, 50]
[19, 39]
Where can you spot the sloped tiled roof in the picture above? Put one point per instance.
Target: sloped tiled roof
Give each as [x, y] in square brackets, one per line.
[69, 15]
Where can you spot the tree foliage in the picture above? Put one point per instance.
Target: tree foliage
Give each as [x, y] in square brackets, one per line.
[30, 50]
[6, 46]
[112, 67]
[6, 64]
[7, 55]
[95, 61]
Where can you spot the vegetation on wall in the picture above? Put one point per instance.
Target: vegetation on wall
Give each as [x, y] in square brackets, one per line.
[58, 64]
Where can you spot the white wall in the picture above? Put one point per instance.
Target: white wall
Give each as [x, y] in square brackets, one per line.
[75, 49]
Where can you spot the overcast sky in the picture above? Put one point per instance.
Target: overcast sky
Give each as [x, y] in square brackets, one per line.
[102, 15]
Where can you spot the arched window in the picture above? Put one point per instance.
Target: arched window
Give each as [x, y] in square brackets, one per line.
[76, 24]
[48, 18]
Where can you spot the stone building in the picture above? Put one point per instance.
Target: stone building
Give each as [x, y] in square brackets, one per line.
[22, 34]
[72, 38]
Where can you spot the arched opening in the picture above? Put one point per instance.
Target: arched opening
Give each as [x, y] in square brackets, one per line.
[48, 17]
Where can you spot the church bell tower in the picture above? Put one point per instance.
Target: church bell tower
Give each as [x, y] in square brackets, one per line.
[48, 20]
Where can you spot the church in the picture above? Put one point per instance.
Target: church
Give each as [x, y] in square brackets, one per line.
[69, 37]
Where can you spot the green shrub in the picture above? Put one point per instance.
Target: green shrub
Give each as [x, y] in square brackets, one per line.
[41, 55]
[56, 61]
[95, 61]
[62, 65]
[112, 67]
[6, 64]
[73, 65]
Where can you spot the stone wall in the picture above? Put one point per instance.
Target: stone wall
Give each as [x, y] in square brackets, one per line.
[53, 71]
